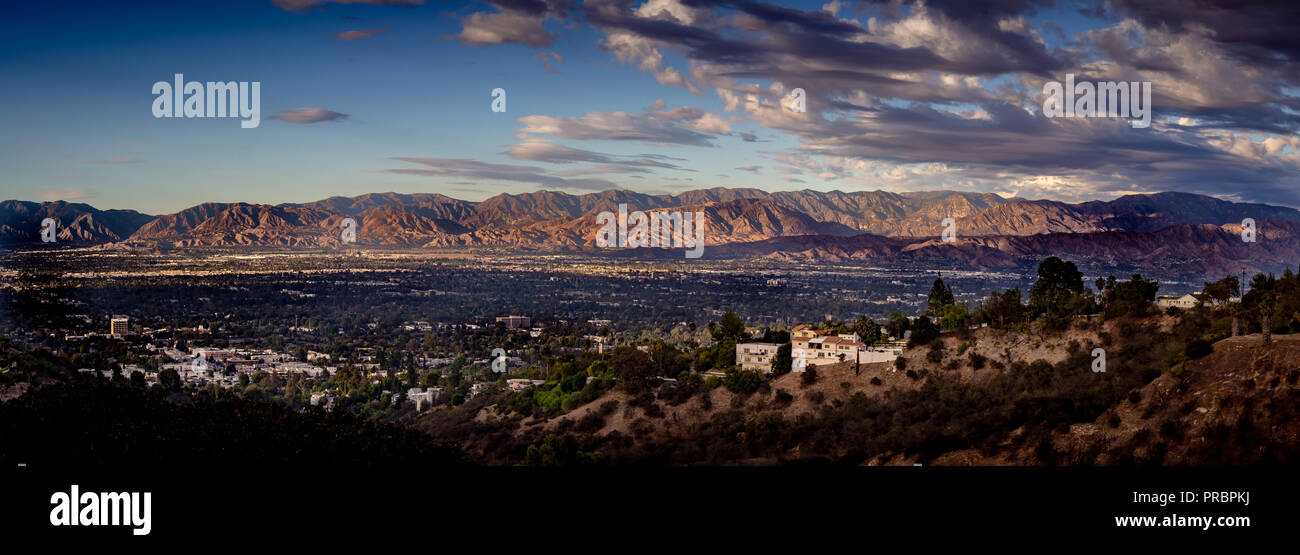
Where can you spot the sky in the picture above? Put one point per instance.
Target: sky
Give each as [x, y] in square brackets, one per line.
[655, 96]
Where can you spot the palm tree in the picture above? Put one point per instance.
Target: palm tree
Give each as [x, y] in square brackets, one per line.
[1266, 319]
[1235, 310]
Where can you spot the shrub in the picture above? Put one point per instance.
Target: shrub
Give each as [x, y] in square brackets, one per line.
[809, 377]
[1198, 348]
[816, 396]
[782, 398]
[593, 421]
[934, 356]
[977, 361]
[742, 381]
[875, 381]
[900, 364]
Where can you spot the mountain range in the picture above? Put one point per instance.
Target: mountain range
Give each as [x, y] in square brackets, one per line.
[1168, 232]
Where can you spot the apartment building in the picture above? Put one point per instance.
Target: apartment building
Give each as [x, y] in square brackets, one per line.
[118, 325]
[809, 346]
[756, 356]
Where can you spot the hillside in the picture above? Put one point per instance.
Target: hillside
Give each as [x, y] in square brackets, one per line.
[1235, 406]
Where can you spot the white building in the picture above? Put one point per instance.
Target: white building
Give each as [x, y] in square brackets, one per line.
[1186, 301]
[423, 397]
[756, 356]
[515, 322]
[812, 347]
[885, 353]
[118, 325]
[521, 384]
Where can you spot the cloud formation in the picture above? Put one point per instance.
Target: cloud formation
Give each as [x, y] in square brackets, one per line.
[358, 35]
[303, 5]
[483, 171]
[947, 93]
[308, 115]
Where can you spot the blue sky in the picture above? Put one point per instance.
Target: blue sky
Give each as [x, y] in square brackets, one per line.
[78, 126]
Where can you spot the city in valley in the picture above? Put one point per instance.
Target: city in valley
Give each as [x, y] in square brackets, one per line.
[574, 358]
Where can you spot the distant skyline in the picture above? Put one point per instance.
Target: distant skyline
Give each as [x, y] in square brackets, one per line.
[654, 96]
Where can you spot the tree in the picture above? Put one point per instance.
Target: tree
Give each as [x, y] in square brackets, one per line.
[809, 376]
[867, 329]
[954, 317]
[897, 325]
[412, 377]
[137, 379]
[633, 368]
[1223, 290]
[1058, 280]
[1235, 310]
[940, 297]
[742, 381]
[170, 379]
[668, 361]
[729, 327]
[1266, 319]
[782, 360]
[555, 450]
[1001, 309]
[923, 332]
[1130, 298]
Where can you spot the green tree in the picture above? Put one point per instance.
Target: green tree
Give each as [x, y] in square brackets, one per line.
[782, 360]
[867, 329]
[954, 317]
[633, 368]
[1058, 280]
[742, 381]
[555, 450]
[1130, 298]
[1223, 290]
[1002, 309]
[729, 327]
[923, 332]
[170, 379]
[940, 297]
[897, 325]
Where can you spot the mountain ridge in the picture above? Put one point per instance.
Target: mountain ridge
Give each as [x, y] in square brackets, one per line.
[1172, 232]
